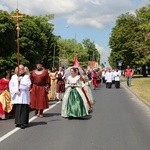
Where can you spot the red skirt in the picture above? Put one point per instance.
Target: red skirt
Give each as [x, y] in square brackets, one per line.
[60, 87]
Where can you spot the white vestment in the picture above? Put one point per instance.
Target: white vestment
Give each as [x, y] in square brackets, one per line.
[23, 87]
[109, 77]
[117, 75]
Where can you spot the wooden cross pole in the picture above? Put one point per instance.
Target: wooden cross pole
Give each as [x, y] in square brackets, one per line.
[17, 16]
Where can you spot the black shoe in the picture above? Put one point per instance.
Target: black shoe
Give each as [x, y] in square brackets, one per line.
[70, 117]
[18, 125]
[22, 126]
[25, 125]
[36, 112]
[90, 111]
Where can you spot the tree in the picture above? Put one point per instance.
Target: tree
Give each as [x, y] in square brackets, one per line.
[93, 54]
[7, 40]
[129, 39]
[69, 48]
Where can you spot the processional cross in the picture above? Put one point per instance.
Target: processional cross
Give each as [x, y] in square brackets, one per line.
[17, 16]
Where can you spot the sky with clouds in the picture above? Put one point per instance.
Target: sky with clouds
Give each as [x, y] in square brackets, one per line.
[79, 19]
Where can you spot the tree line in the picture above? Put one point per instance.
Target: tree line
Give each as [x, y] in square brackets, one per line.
[130, 39]
[37, 41]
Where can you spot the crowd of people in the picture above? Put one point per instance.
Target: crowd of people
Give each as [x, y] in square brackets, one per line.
[25, 91]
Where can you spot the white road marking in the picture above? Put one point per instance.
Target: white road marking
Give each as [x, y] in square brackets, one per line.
[16, 129]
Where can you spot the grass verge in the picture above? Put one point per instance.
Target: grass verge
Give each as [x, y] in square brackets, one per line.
[141, 87]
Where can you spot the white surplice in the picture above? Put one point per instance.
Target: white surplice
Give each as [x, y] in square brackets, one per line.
[23, 87]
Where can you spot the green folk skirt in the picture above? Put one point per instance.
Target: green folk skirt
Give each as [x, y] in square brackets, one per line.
[75, 106]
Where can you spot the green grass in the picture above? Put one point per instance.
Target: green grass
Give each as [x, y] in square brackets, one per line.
[141, 87]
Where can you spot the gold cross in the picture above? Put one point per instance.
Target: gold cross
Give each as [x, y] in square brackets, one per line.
[17, 16]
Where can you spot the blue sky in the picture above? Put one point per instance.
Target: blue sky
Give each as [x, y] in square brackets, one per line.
[80, 19]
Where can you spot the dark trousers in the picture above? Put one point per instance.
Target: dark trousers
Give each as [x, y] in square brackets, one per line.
[103, 80]
[108, 85]
[21, 114]
[117, 84]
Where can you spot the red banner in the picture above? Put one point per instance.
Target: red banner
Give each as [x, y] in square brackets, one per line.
[76, 62]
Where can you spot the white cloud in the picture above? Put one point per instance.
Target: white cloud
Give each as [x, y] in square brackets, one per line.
[93, 13]
[104, 52]
[99, 48]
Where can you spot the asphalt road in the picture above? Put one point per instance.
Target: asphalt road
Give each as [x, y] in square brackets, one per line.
[119, 122]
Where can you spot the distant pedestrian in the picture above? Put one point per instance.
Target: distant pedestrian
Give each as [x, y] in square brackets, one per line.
[128, 75]
[19, 89]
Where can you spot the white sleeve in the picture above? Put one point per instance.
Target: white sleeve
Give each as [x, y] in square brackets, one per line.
[25, 83]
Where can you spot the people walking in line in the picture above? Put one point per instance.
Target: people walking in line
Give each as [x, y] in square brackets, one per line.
[128, 75]
[117, 75]
[19, 89]
[74, 101]
[39, 88]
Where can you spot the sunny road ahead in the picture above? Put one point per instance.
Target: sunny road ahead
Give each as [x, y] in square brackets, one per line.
[119, 122]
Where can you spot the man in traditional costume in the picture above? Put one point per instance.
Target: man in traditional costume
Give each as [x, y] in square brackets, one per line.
[39, 89]
[19, 89]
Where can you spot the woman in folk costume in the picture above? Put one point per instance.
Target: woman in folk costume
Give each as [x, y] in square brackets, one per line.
[5, 99]
[94, 78]
[87, 89]
[74, 101]
[60, 87]
[39, 88]
[19, 89]
[52, 91]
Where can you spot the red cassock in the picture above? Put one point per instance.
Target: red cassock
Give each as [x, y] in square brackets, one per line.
[39, 86]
